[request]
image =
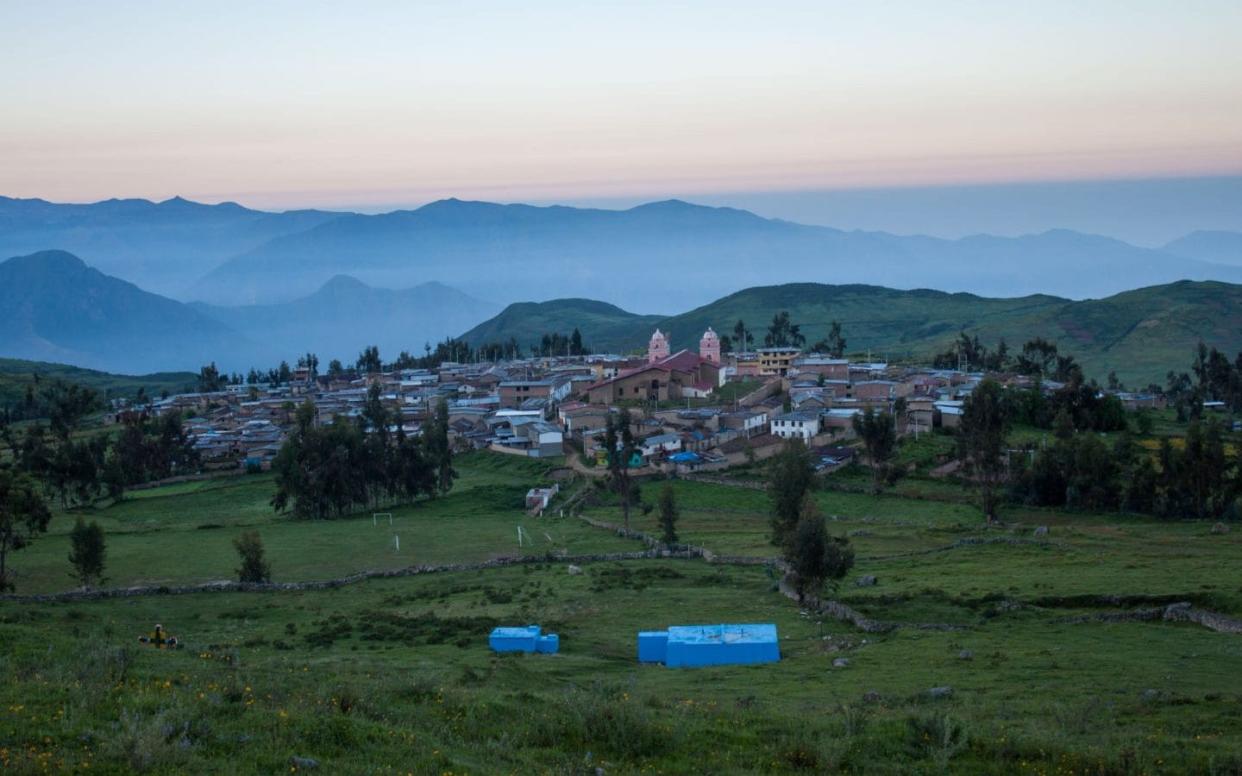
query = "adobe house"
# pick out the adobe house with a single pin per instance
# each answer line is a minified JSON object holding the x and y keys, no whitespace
{"x":514,"y":392}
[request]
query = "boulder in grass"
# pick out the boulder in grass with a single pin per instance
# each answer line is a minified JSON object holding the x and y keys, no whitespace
{"x":303,"y":763}
{"x":966,"y":654}
{"x":841,"y":662}
{"x":1041,"y":530}
{"x":867,"y":581}
{"x":574,"y":570}
{"x":938,"y":693}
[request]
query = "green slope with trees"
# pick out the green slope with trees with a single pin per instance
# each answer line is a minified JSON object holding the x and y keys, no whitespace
{"x":603,"y":326}
{"x":1140,"y":334}
{"x":16,"y":375}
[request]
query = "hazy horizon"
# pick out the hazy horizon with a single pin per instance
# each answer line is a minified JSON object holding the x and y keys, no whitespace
{"x":1144,"y":212}
{"x":287,"y":105}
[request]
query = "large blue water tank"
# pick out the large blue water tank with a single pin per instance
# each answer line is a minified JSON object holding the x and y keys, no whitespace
{"x":727,"y":644}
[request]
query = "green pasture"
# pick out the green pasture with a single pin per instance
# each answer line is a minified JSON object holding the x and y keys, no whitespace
{"x":182,"y":533}
{"x":394,"y":675}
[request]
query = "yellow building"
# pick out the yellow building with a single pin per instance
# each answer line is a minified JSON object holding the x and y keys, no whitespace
{"x":777,"y":361}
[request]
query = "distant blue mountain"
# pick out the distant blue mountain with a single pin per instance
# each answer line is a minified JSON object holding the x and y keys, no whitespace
{"x":1218,"y":247}
{"x":658,"y":256}
{"x":55,"y":308}
{"x":162,"y":246}
{"x":672,"y":255}
{"x":345,"y":315}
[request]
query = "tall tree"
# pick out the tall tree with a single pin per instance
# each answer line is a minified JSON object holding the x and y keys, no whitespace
{"x":742,"y":338}
{"x":619,"y":442}
{"x":209,"y":379}
{"x":23,"y":516}
{"x":369,"y":360}
{"x":834,"y":344}
{"x":668,"y":514}
{"x":791,"y":476}
{"x":815,"y":556}
{"x":439,"y":451}
{"x":981,"y":442}
{"x":783,"y":332}
{"x":87,"y":552}
{"x":879,"y":436}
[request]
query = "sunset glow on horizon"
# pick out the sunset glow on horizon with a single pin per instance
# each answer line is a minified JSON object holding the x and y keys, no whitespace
{"x":285,"y":105}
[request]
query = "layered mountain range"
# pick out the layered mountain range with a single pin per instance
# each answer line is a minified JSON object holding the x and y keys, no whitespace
{"x":138,"y":286}
{"x":53,"y":307}
{"x":659,"y":256}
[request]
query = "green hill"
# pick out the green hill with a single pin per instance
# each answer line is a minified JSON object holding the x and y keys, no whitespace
{"x":16,"y":374}
{"x":604,"y":327}
{"x":1140,"y":334}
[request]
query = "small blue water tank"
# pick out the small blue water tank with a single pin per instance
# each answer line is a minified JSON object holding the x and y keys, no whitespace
{"x":527,"y":639}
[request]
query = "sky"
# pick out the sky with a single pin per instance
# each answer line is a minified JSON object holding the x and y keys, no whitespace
{"x":371,"y":104}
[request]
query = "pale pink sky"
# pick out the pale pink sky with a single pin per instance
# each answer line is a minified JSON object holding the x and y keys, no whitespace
{"x":287,"y":104}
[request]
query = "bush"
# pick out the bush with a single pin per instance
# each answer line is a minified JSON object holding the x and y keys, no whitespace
{"x":936,"y":736}
{"x":254,"y":567}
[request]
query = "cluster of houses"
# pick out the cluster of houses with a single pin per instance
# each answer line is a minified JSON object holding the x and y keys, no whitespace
{"x":542,"y":407}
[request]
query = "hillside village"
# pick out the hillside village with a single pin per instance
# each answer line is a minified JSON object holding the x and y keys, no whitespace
{"x":695,"y":410}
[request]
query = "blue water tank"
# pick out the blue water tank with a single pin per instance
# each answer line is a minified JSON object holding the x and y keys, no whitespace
{"x":514,"y":639}
{"x":652,"y":646}
{"x":713,"y":645}
{"x":526,"y":639}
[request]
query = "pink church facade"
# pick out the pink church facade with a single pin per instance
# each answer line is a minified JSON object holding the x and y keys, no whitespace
{"x":709,"y":346}
{"x":658,"y":347}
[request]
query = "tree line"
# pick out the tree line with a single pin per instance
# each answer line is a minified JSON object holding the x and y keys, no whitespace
{"x":332,"y":471}
{"x":50,"y":460}
{"x":79,"y":469}
{"x":1196,"y":479}
{"x":782,"y":332}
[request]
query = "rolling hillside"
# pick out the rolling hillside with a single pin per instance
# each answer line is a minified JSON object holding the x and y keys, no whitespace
{"x":1140,"y":334}
{"x":603,"y":326}
{"x":16,"y":375}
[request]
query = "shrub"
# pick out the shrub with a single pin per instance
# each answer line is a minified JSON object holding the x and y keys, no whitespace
{"x":936,"y":736}
{"x":254,"y":566}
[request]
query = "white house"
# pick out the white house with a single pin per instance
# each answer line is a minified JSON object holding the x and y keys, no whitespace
{"x":804,"y":424}
{"x":654,"y":445}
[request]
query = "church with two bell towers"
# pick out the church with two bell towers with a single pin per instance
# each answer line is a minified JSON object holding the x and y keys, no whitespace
{"x":659,"y":348}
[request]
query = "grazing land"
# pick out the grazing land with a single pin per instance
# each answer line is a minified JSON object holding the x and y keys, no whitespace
{"x":394,"y":675}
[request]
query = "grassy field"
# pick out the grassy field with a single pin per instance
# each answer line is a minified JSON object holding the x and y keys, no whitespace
{"x":183,"y":533}
{"x":394,"y":676}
